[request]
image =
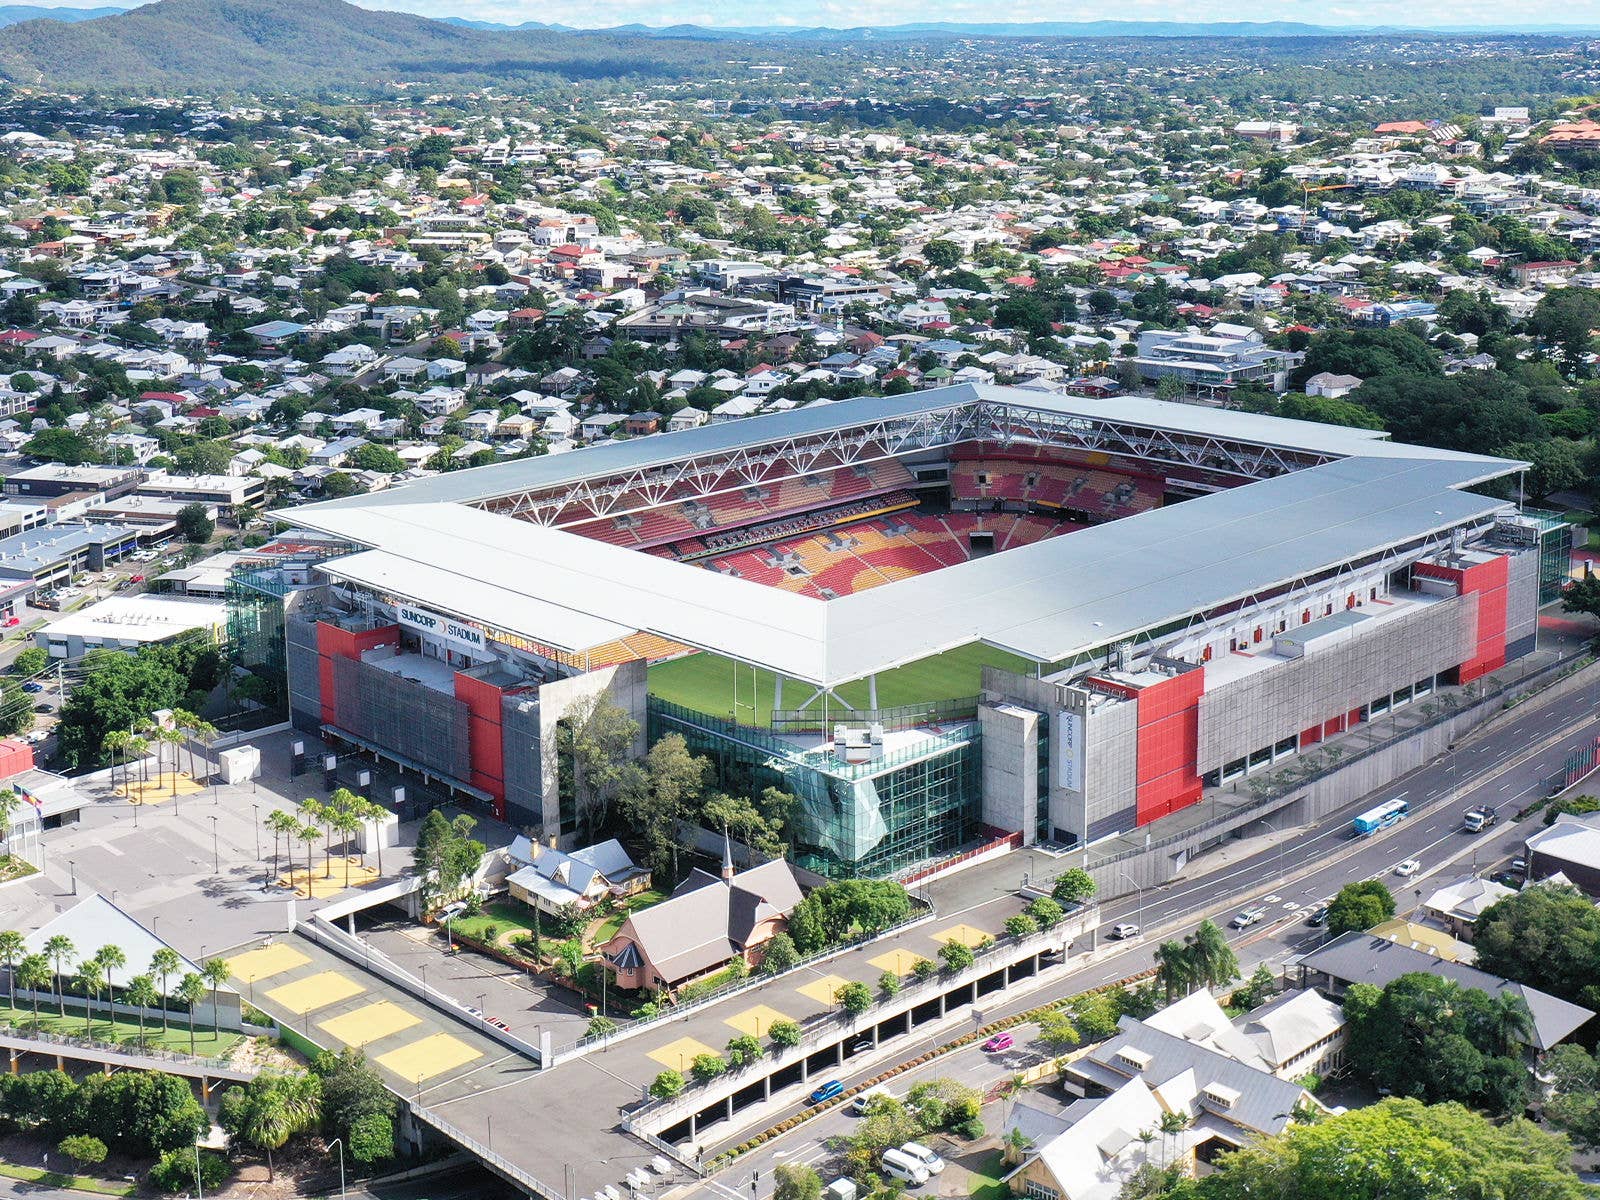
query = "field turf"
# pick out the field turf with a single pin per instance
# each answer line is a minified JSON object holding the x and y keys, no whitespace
{"x":719,"y":687}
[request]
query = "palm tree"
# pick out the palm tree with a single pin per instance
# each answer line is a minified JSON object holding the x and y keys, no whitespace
{"x":89,"y":982}
{"x":1212,"y":959}
{"x":309,"y":835}
{"x":1172,"y":1124}
{"x":169,"y":736}
{"x":348,"y":824}
{"x":183,"y":723}
{"x":33,"y":973}
{"x":191,"y":990}
{"x":311,"y":815}
{"x":281,"y":823}
{"x":143,"y":737}
{"x":1174,"y":969}
{"x":11,"y":947}
{"x":141,"y":993}
{"x":1511,"y":1022}
{"x":61,"y":950}
{"x":163,"y":963}
{"x":137,"y":750}
{"x":216,"y":973}
{"x":281,"y":1107}
{"x":374,"y":814}
{"x":206,"y":732}
{"x":109,"y":959}
{"x":9,"y":803}
{"x":115,"y":744}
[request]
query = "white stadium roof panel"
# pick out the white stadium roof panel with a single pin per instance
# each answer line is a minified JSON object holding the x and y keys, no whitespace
{"x":1046,"y":601}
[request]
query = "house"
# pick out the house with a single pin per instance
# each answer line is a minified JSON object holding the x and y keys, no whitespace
{"x":688,"y":417}
{"x":552,"y":880}
{"x":707,"y":922}
{"x":1529,"y":273}
{"x":1458,"y":905}
{"x":1330,"y":386}
{"x":1570,"y":846}
{"x":1292,"y":1035}
{"x":640,"y":424}
{"x":1357,"y":957}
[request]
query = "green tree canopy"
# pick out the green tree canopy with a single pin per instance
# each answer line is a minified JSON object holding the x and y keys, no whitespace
{"x":1360,"y":906}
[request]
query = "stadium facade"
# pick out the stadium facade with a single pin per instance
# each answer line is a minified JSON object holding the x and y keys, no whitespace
{"x":929,"y":618}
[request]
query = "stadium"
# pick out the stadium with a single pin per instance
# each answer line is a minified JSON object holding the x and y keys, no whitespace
{"x":933,"y":619}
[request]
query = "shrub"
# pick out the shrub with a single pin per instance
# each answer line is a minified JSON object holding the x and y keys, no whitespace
{"x":854,"y":997}
{"x":667,"y":1085}
{"x":1021,"y":925}
{"x":1073,"y":887}
{"x":784,"y":1033}
{"x":923,"y":968}
{"x":780,"y":955}
{"x":743,"y":1050}
{"x":1046,"y":913}
{"x":176,"y":1171}
{"x":372,"y":1138}
{"x":956,"y":956}
{"x":888,"y":984}
{"x":83,"y":1150}
{"x":708,"y":1066}
{"x":600,"y":1026}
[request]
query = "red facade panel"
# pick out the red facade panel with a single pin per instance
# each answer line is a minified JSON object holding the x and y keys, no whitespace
{"x":334,"y":642}
{"x":1168,"y":745}
{"x":1488,"y":581}
{"x":485,"y":738}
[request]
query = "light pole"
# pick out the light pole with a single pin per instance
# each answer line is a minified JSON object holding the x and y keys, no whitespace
{"x":216,"y":858}
{"x":1140,"y":890}
{"x":339,"y":1142}
{"x":199,"y":1191}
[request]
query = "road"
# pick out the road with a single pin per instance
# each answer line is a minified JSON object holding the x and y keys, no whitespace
{"x":1504,"y":767}
{"x":467,"y":1183}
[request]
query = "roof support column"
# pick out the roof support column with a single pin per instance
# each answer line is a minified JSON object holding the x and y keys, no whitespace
{"x":872,"y":691}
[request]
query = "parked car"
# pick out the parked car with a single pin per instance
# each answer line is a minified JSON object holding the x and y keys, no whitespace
{"x":901,"y":1166}
{"x":33,"y":687}
{"x":1248,"y":917}
{"x":135,"y":578}
{"x":1124,"y":929}
{"x":999,"y":1042}
{"x":1510,"y":879}
{"x":826,"y":1092}
{"x":37,"y":735}
{"x":931,"y":1161}
{"x":1319,"y":916}
{"x":1408,"y":868}
{"x":11,"y":621}
{"x":1519,"y":865}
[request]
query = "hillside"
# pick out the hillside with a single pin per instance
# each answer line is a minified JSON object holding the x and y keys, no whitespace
{"x":12,"y":14}
{"x":296,"y":44}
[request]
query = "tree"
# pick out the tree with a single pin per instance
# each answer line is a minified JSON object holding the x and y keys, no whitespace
{"x":846,"y":908}
{"x":1020,"y":925}
{"x":373,"y":457}
{"x":743,"y":1050}
{"x":667,"y":1085}
{"x":593,"y":740}
{"x":1073,"y":887}
{"x":1057,"y":1031}
{"x":1174,"y":969}
{"x":33,"y":975}
{"x":956,"y":956}
{"x":117,"y":691}
{"x":191,"y":990}
{"x":1212,"y":960}
{"x":743,"y":821}
{"x":83,"y":1150}
{"x":164,"y":963}
{"x":30,"y":662}
{"x":1583,"y":596}
{"x":353,"y":1093}
{"x":656,"y":801}
{"x":11,"y":947}
{"x":784,"y":1033}
{"x":1360,"y":906}
{"x":941,"y":254}
{"x":854,"y":997}
{"x":175,"y":1171}
{"x":1547,"y":937}
{"x":60,"y":950}
{"x":282,"y":825}
{"x":1257,"y":991}
{"x":195,"y":523}
{"x":106,"y":960}
{"x":141,"y":994}
{"x":778,"y":955}
{"x":1565,"y":320}
{"x":1554,"y":465}
{"x":796,"y":1181}
{"x":1466,"y":412}
{"x":1367,"y":354}
{"x":271,"y":1109}
{"x":1399,"y":1149}
{"x":1574,"y":1102}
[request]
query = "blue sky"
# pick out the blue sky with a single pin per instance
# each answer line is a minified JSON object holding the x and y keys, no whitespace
{"x":839,"y":13}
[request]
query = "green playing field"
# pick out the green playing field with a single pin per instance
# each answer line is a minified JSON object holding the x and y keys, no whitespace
{"x":720,"y":687}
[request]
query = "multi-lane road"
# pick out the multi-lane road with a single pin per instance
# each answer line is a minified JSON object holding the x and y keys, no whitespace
{"x":1505,"y":767}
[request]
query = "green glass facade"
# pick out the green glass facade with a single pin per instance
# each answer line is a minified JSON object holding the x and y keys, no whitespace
{"x":255,"y":629}
{"x":916,"y":804}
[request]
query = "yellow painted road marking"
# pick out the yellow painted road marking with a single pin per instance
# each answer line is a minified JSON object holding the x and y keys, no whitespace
{"x":372,"y":1023}
{"x":824,"y":990}
{"x":431,"y":1056}
{"x":255,"y":965}
{"x":680,"y":1055}
{"x":315,"y":991}
{"x":755,"y":1021}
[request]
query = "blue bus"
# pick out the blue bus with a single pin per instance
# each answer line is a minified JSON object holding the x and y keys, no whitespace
{"x":1385,"y":815}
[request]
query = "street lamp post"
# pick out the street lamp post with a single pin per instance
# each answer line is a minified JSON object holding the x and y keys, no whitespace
{"x":339,"y":1142}
{"x":216,"y":857}
{"x":1140,"y":891}
{"x":199,"y":1189}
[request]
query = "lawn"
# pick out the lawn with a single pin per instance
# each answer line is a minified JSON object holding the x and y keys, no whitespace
{"x":506,"y":914}
{"x":13,"y":866}
{"x":58,"y":1180}
{"x":984,"y":1182}
{"x":209,"y":1043}
{"x":719,"y":687}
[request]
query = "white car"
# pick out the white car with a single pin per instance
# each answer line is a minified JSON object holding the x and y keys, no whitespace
{"x":1408,"y":868}
{"x":1248,"y":918}
{"x":37,"y":736}
{"x":1125,"y":929}
{"x":923,"y":1155}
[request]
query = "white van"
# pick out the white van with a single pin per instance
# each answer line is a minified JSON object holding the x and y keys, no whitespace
{"x":931,"y":1162}
{"x":897,"y":1164}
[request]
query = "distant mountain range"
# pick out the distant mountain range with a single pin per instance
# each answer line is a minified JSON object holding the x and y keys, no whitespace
{"x":12,"y":14}
{"x":290,"y":45}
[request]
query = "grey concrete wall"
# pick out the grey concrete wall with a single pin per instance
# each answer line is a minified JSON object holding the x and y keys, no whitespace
{"x":1111,"y":770}
{"x":410,"y":718}
{"x":300,"y":662}
{"x":1247,"y":714}
{"x":1010,"y":769}
{"x":1522,"y":601}
{"x":520,"y":747}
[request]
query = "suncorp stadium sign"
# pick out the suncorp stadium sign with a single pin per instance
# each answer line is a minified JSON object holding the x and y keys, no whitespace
{"x":430,"y":622}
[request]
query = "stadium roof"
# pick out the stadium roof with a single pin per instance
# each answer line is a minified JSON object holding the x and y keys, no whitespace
{"x":1047,"y":601}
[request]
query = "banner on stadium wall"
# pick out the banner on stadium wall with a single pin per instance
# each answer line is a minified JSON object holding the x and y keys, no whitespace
{"x":432,"y":623}
{"x":1069,"y":750}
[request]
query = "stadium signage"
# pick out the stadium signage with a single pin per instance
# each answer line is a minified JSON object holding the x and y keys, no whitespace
{"x":430,"y":622}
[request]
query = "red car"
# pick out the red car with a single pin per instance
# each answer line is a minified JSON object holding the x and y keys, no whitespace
{"x":10,"y":621}
{"x":999,"y":1042}
{"x":135,"y":578}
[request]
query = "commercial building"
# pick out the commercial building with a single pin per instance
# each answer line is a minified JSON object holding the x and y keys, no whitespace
{"x":932,"y":619}
{"x":53,"y":555}
{"x":128,"y":622}
{"x":226,"y":492}
{"x":1210,"y":363}
{"x":54,"y":479}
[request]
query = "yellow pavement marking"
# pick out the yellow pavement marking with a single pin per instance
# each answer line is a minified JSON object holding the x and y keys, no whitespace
{"x":680,"y":1055}
{"x":755,"y":1021}
{"x":824,"y":990}
{"x":329,"y":880}
{"x":431,"y":1056}
{"x":901,"y":962}
{"x":372,"y":1023}
{"x":965,"y":934}
{"x":254,"y":965}
{"x":159,"y":789}
{"x":315,"y":991}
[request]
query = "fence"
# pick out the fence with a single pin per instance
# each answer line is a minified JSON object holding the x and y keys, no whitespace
{"x":498,"y":1162}
{"x":1012,"y":841}
{"x":907,"y":716}
{"x":188,"y":1064}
